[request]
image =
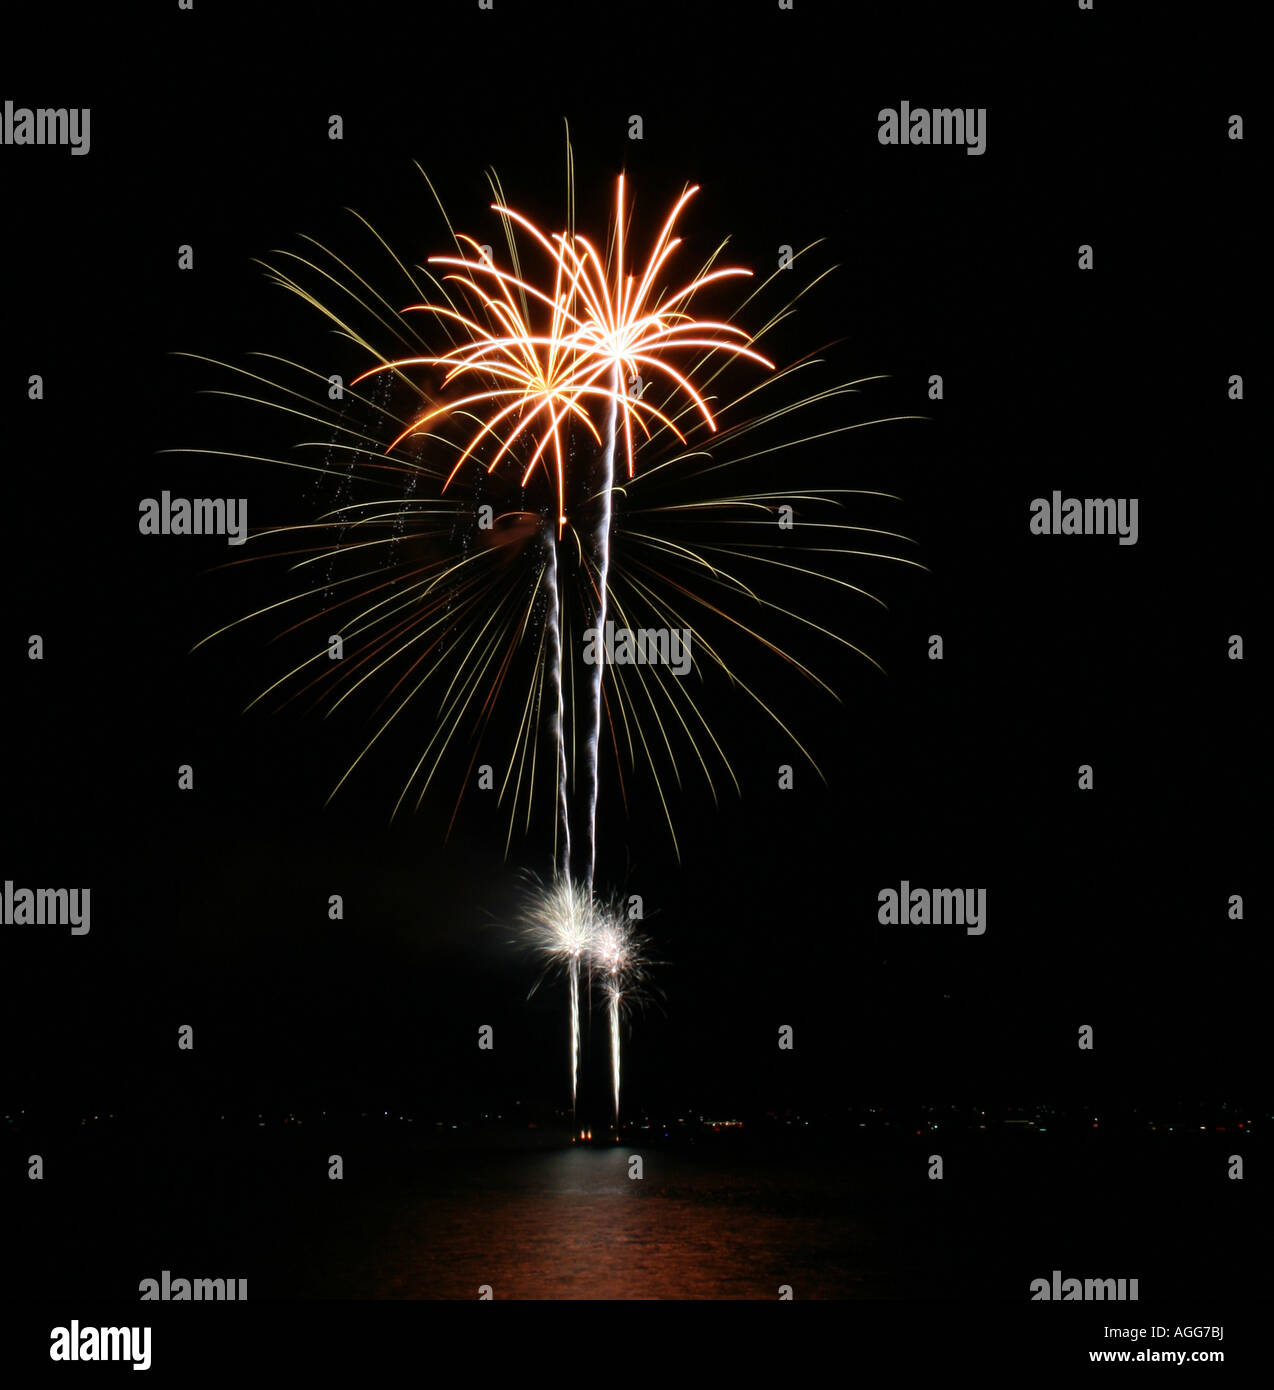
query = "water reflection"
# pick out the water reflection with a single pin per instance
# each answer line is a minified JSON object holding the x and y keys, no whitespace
{"x":573,"y":1224}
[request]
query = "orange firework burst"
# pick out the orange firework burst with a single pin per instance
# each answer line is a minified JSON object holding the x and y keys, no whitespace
{"x":466,"y":593}
{"x":602,"y":326}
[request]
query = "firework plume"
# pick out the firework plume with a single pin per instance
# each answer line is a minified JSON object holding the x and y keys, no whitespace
{"x":618,"y":954}
{"x":474,"y":526}
{"x":559,"y":922}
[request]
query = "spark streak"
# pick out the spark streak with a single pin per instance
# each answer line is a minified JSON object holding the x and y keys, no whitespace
{"x":559,"y":923}
{"x":520,"y":401}
{"x":559,"y":732}
{"x":618,"y":949}
{"x":494,"y":527}
{"x":603,"y":579}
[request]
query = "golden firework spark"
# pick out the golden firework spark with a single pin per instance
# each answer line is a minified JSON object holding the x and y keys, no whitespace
{"x":601,"y":328}
{"x":450,"y":575}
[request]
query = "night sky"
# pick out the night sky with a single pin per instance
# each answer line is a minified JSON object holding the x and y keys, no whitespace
{"x":1105,"y":907}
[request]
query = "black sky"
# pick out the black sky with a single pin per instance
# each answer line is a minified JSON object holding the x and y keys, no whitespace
{"x":1106,"y":908}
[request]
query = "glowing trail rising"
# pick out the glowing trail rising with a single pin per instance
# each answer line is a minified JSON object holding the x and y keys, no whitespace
{"x":525,"y":389}
{"x":532,"y":366}
{"x":559,"y":732}
{"x":618,"y":950}
{"x":559,"y":923}
{"x":612,"y":990}
{"x":574,"y":975}
{"x":603,"y":546}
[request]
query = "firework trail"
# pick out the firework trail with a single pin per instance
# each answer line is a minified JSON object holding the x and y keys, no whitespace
{"x":517,"y":398}
{"x":538,"y":379}
{"x":519,"y":401}
{"x":603,"y":576}
{"x":575,"y":1029}
{"x":613,"y":994}
{"x":559,"y":922}
{"x":548,"y":375}
{"x":618,"y":950}
{"x":559,"y":732}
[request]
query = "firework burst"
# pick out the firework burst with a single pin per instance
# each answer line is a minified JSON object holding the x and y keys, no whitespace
{"x":559,"y":922}
{"x":601,"y":326}
{"x":472,"y":527}
{"x":618,"y":954}
{"x":459,"y":587}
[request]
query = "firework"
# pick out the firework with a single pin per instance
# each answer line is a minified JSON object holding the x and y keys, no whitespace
{"x":559,"y":922}
{"x":567,"y":926}
{"x":464,"y":578}
{"x":618,"y":952}
{"x":599,"y":331}
{"x":559,"y":714}
{"x":629,"y":326}
{"x":602,"y":326}
{"x":487,"y":434}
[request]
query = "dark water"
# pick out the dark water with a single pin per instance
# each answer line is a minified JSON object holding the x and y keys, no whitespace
{"x":574,"y":1224}
{"x":700,"y":1223}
